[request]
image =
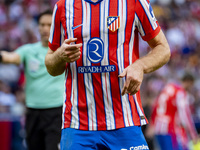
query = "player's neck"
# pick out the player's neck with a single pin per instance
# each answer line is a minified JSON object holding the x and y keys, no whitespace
{"x":44,"y":43}
{"x":94,"y":1}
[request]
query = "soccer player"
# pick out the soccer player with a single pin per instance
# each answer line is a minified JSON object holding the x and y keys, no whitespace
{"x":171,"y":116}
{"x":100,"y":57}
{"x":44,"y":93}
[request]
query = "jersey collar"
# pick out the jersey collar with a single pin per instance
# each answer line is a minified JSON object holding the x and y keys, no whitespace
{"x":90,"y":1}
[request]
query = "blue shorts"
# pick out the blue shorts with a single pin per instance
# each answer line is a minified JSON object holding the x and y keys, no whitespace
{"x":130,"y":138}
{"x":167,"y":142}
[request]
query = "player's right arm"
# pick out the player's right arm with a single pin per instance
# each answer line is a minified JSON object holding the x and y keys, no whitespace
{"x":10,"y":57}
{"x":59,"y":54}
{"x":55,"y":61}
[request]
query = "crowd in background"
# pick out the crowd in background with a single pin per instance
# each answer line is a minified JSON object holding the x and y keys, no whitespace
{"x":179,"y":19}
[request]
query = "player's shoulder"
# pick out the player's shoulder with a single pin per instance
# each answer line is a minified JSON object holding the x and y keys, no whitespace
{"x":60,"y":3}
{"x":25,"y":46}
{"x":173,"y":88}
{"x":30,"y":46}
{"x":170,"y":89}
{"x":178,"y":87}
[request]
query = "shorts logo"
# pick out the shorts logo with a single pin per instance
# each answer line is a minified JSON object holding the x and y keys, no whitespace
{"x":95,"y":50}
{"x":113,"y":23}
{"x":142,"y":147}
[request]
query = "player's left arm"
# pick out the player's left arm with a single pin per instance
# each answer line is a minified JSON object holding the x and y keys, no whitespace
{"x":156,"y":58}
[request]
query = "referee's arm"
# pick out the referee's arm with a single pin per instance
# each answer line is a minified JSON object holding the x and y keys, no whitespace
{"x":9,"y":57}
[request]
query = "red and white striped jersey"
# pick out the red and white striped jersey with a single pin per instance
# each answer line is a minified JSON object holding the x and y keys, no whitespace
{"x":171,"y":113}
{"x":109,"y":31}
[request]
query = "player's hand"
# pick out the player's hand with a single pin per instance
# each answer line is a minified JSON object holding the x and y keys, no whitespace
{"x":70,"y":52}
{"x":134,"y":76}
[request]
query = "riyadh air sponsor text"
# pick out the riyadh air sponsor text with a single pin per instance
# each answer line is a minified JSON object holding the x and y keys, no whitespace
{"x":96,"y":69}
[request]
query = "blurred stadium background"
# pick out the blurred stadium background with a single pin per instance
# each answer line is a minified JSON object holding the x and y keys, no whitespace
{"x":179,"y":19}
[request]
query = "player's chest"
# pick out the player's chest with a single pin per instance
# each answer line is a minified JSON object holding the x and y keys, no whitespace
{"x":82,"y":19}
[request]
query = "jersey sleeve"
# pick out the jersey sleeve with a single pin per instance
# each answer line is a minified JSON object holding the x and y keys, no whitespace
{"x":55,"y":37}
{"x":22,"y":51}
{"x":145,"y":20}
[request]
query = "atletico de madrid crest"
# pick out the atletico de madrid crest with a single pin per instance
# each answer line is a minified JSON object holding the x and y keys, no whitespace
{"x":113,"y":23}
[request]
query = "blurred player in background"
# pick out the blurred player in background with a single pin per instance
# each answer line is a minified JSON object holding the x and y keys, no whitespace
{"x":104,"y":72}
{"x":44,"y":93}
{"x":171,"y":117}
